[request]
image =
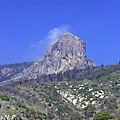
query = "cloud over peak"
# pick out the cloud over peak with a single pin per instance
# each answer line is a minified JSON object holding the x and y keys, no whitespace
{"x":55,"y":33}
{"x":51,"y":38}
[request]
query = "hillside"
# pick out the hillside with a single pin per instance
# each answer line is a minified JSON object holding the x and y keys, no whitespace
{"x":66,"y":100}
{"x":63,"y":85}
{"x":7,"y":71}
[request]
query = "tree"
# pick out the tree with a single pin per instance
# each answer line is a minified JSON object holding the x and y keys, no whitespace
{"x":102,"y":65}
{"x":103,"y":115}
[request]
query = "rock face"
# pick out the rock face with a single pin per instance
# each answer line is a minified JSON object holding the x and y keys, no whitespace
{"x":67,"y":53}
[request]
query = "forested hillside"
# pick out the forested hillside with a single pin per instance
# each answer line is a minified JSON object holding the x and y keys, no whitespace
{"x":88,"y":97}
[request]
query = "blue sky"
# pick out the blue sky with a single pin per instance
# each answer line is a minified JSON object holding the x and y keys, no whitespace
{"x":27,"y":27}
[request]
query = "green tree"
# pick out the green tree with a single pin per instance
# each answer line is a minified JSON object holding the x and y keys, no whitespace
{"x":103,"y":115}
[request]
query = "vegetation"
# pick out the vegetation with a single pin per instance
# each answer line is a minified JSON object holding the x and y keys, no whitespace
{"x":4,"y":97}
{"x":78,"y":98}
{"x":103,"y":115}
{"x":8,"y":71}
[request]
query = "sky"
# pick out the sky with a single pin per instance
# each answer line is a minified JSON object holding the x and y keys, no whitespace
{"x":28,"y":27}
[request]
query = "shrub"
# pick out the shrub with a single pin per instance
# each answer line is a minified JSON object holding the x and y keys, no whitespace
{"x":118,"y":118}
{"x":49,"y":104}
{"x":28,"y":115}
{"x":118,"y":106}
{"x":94,"y":85}
{"x":55,"y":93}
{"x":38,"y":117}
{"x":87,"y":107}
{"x":32,"y":111}
{"x":81,"y":117}
{"x":103,"y":115}
{"x":2,"y":97}
{"x":6,"y":98}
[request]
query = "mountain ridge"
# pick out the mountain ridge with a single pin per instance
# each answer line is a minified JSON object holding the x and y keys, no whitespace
{"x":89,"y":92}
{"x":65,"y":54}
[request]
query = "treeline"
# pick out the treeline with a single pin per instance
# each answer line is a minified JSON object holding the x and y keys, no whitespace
{"x":75,"y":74}
{"x":16,"y":65}
{"x":7,"y":71}
{"x":79,"y":74}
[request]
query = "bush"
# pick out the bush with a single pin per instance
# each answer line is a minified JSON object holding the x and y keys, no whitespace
{"x":118,"y":106}
{"x":49,"y":104}
{"x":103,"y":115}
{"x":118,"y":118}
{"x":6,"y":98}
{"x":28,"y":115}
{"x":3,"y":97}
{"x":87,"y":107}
{"x":32,"y":111}
{"x":38,"y":117}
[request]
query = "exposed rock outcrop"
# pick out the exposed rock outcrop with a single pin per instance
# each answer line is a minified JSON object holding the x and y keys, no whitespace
{"x":7,"y":71}
{"x":66,"y":53}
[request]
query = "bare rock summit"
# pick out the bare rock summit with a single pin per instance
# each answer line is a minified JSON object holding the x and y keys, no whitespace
{"x":66,"y":53}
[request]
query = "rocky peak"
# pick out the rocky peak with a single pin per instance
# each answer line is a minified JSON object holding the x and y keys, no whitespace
{"x":66,"y":53}
{"x":67,"y":45}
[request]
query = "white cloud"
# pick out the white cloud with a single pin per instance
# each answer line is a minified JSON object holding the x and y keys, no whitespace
{"x":51,"y":38}
{"x":55,"y":33}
